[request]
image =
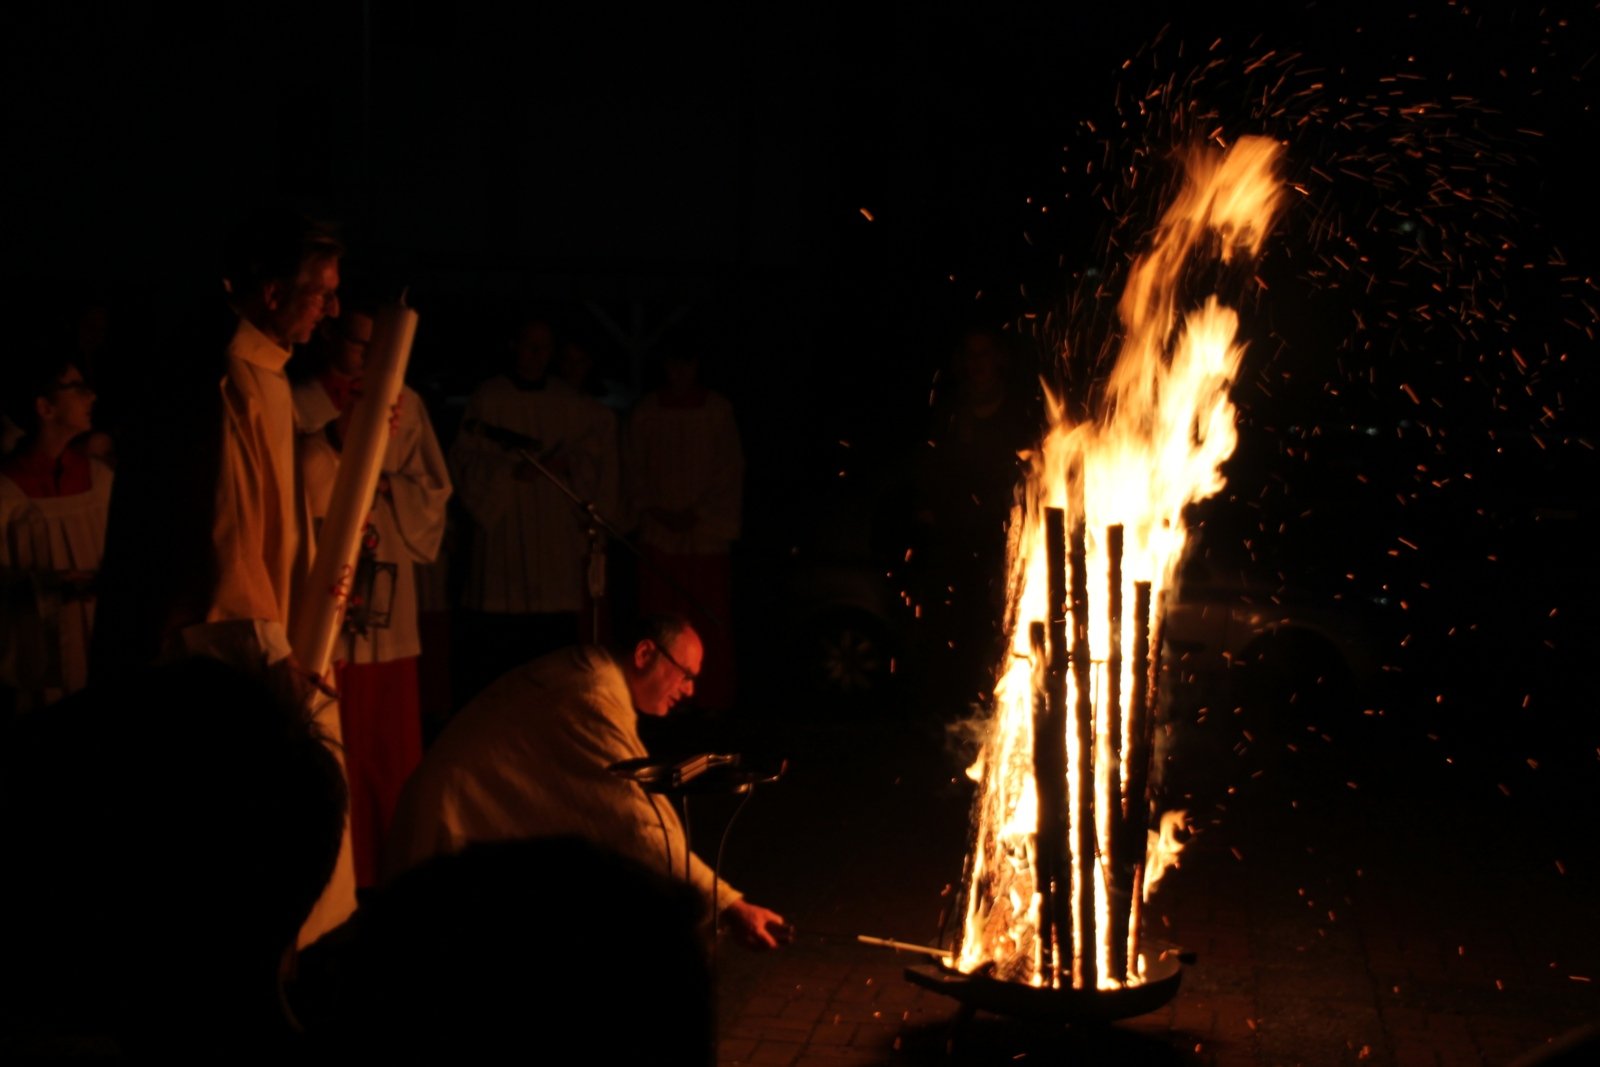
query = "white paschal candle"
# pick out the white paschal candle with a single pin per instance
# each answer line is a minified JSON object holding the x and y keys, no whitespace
{"x":319,"y":611}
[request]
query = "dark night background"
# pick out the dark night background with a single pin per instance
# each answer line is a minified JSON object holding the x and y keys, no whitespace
{"x":1417,"y":404}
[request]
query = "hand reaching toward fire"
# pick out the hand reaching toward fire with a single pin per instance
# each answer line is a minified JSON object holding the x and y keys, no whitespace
{"x":756,"y":927}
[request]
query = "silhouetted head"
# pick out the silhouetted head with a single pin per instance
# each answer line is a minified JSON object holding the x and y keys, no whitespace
{"x":532,"y":347}
{"x":165,"y":839}
{"x":282,"y":271}
{"x":46,"y":391}
{"x":982,"y":360}
{"x":553,"y":950}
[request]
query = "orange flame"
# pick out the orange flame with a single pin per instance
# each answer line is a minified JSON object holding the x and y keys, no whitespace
{"x":1164,"y":428}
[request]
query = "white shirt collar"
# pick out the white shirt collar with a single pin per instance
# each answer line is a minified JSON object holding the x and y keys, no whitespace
{"x":253,"y":346}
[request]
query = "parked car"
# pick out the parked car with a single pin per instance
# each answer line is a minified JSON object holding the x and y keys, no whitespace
{"x":1233,"y":637}
{"x":832,"y":625}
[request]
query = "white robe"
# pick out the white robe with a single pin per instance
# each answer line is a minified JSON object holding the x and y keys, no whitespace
{"x":260,"y":533}
{"x":260,"y":516}
{"x":44,"y":638}
{"x":530,"y":551}
{"x":528,"y":758}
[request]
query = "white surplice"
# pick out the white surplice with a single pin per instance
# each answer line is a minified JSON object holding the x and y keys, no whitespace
{"x":528,"y":758}
{"x":529,"y":549}
{"x":46,"y":635}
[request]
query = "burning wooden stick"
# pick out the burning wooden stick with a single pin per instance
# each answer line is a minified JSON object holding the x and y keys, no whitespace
{"x":1050,"y":766}
{"x":1116,"y":889}
{"x":1136,"y":810}
{"x":1083,"y":831}
{"x":902,"y":946}
{"x":1046,"y":847}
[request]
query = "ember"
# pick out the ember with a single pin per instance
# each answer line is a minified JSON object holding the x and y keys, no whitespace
{"x":1064,"y":855}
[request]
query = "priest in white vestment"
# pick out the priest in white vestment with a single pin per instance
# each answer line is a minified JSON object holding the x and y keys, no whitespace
{"x":530,"y":758}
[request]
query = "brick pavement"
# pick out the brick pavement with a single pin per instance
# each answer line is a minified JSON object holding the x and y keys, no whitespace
{"x":1351,"y":936}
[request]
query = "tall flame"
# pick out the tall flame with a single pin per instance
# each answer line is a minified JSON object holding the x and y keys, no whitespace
{"x":1164,"y":428}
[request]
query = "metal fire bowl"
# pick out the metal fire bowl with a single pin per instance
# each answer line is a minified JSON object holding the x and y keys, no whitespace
{"x":1065,"y":1006}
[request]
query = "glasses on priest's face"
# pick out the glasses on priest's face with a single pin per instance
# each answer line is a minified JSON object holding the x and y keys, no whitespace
{"x":688,"y":675}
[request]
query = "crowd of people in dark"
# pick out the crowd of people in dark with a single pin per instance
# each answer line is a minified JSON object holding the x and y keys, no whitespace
{"x":198,"y":814}
{"x":221,"y":845}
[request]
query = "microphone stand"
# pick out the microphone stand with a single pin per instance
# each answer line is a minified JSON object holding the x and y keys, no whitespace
{"x":598,"y":528}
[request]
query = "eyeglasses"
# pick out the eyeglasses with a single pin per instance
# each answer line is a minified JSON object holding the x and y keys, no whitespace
{"x":76,"y":386}
{"x":688,"y":675}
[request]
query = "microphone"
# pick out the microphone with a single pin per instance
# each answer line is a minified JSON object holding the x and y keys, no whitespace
{"x":508,"y":439}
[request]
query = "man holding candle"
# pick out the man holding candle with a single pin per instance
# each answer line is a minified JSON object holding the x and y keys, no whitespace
{"x":379,"y":701}
{"x":208,"y":532}
{"x":209,"y":539}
